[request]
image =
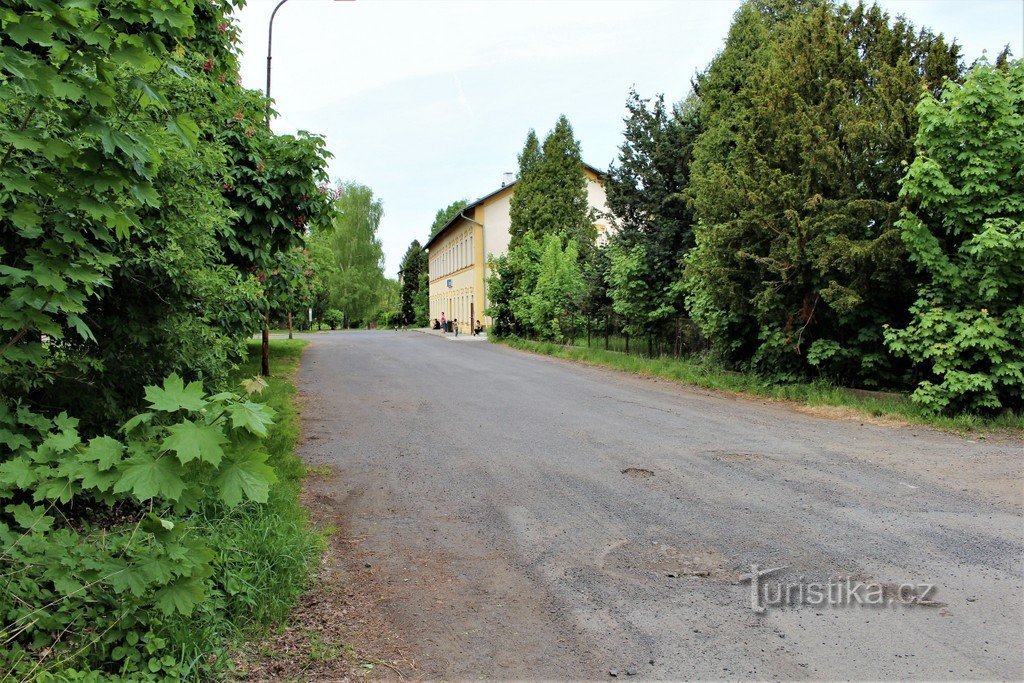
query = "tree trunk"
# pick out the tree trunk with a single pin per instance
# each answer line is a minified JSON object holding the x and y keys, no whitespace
{"x":266,"y":343}
{"x":607,"y":333}
{"x":627,"y":343}
{"x":289,"y":324}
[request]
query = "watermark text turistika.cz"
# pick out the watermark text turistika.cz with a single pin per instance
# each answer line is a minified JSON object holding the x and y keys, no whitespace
{"x":833,"y":592}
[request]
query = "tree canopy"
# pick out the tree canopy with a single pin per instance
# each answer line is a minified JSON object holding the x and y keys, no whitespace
{"x":349,"y":255}
{"x":444,"y":215}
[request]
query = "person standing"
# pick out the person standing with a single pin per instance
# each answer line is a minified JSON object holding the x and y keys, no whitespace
{"x":444,"y":326}
{"x":455,"y":326}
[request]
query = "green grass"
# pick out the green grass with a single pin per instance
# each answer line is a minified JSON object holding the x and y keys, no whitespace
{"x":296,"y":331}
{"x":705,"y":374}
{"x":263,"y":552}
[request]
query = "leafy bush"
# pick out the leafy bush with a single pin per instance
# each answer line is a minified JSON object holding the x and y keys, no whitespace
{"x":142,"y":196}
{"x":965,"y":232}
{"x":334,"y":318}
{"x":389,"y":318}
{"x":127,"y":559}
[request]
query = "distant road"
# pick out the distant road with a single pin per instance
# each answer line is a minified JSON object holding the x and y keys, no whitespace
{"x":526,"y":517}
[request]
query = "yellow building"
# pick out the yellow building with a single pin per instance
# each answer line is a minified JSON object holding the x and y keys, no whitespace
{"x":458,"y":252}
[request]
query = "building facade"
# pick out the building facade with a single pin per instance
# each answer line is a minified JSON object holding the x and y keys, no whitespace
{"x":458,"y":253}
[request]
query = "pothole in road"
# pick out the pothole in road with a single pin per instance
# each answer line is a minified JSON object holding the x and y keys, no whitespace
{"x":653,"y":557}
{"x":638,"y":472}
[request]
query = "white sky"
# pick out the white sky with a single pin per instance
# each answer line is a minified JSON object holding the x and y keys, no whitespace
{"x":430,"y":101}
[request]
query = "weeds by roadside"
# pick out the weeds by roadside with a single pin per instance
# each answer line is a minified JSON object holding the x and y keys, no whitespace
{"x":337,"y":630}
{"x":815,"y":394}
{"x":264,"y":552}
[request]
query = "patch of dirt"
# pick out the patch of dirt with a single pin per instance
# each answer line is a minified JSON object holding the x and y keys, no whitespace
{"x":852,"y":414}
{"x":638,"y":472}
{"x":337,"y":632}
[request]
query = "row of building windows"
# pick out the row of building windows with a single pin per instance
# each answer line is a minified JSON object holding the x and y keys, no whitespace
{"x":456,"y":256}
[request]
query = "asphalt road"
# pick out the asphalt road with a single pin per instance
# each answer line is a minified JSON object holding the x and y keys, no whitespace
{"x":491,"y":493}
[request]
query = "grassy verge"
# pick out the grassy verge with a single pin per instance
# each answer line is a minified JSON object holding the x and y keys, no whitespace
{"x":818,"y":394}
{"x":263,"y":552}
{"x":295,"y":331}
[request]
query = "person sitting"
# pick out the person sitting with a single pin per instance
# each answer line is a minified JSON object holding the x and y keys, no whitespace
{"x":478,"y":328}
{"x":436,"y":325}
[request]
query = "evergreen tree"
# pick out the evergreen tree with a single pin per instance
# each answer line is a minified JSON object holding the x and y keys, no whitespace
{"x":414,"y":264}
{"x":654,"y":223}
{"x":522,"y":209}
{"x":809,"y":115}
{"x":421,"y":301}
{"x":444,"y":215}
{"x":551,"y":194}
{"x":562,"y":183}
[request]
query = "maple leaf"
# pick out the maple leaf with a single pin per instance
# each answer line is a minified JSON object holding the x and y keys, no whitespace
{"x":30,"y":517}
{"x":181,"y":596}
{"x":104,"y":451}
{"x":255,"y":385}
{"x":176,"y":396}
{"x":18,"y":473}
{"x":147,"y":477}
{"x":193,"y":440}
{"x":136,"y":421}
{"x":245,"y":474}
{"x":255,"y":417}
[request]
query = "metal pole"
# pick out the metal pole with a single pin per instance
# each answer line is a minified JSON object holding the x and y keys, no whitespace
{"x":265,"y":364}
{"x":270,"y":45}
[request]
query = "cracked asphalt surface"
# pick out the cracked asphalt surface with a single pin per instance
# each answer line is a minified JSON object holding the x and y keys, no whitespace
{"x":527,"y":517}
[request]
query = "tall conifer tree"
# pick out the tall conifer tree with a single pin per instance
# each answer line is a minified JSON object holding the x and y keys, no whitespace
{"x":522,"y":208}
{"x":810,"y":117}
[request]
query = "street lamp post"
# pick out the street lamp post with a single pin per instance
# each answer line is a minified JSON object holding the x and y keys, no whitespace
{"x":266,"y":314}
{"x":270,"y":45}
{"x":265,"y":359}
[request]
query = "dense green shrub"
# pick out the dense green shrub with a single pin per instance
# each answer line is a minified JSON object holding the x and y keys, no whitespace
{"x":964,"y":230}
{"x":98,"y":545}
{"x":333,"y":318}
{"x":143,"y":203}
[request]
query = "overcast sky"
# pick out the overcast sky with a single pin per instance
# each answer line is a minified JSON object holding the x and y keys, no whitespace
{"x":430,"y":101}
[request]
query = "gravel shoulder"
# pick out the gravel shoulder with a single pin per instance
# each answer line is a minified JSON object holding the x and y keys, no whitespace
{"x":521,"y":516}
